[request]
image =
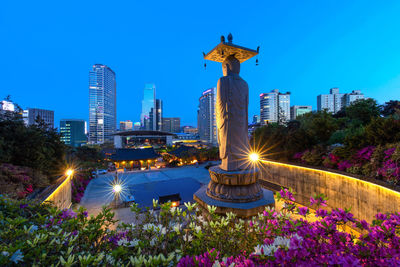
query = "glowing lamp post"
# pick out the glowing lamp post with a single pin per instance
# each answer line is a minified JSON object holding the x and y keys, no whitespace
{"x":117,"y":188}
{"x":254,"y":157}
{"x":69,"y":172}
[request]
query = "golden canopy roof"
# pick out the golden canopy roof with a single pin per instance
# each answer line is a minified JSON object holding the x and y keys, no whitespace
{"x":225,"y":49}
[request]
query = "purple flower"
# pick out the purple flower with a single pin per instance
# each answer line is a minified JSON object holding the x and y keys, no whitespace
{"x":302,"y":211}
{"x":285,"y":193}
{"x":389,"y":152}
{"x":67,"y":214}
{"x":85,"y":213}
{"x":23,"y":206}
{"x":321,"y":213}
{"x":186,"y":261}
{"x":344,"y":165}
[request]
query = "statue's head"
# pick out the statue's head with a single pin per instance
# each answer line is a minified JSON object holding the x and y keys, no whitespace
{"x":230,"y":65}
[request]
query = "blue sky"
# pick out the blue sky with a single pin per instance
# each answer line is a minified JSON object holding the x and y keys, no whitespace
{"x":48,"y":47}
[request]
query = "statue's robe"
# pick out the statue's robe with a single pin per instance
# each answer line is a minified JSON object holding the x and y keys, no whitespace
{"x":232,"y":121}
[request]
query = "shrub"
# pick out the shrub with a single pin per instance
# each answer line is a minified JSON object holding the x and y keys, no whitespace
{"x":79,"y":184}
{"x":313,"y":157}
{"x":39,"y":234}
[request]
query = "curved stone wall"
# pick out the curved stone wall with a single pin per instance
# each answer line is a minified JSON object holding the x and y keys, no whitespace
{"x":61,"y":195}
{"x":364,"y":198}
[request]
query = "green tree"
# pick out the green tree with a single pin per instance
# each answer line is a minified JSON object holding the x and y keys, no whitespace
{"x":319,"y":125}
{"x":391,"y":108}
{"x":362,"y":111}
{"x":382,"y":131}
{"x":35,"y":146}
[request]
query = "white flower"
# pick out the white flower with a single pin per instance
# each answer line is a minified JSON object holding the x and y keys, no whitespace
{"x":148,"y":226}
{"x":17,"y":256}
{"x":5,"y":253}
{"x":153,"y":241}
{"x":187,"y":238}
{"x":177,"y":228}
{"x":161,"y":229}
{"x":122,"y":242}
{"x":264,"y":250}
{"x":173,"y":210}
{"x":282,"y":241}
{"x":133,"y":243}
{"x":197,"y":229}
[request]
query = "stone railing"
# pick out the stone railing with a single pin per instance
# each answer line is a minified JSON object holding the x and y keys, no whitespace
{"x":363,"y":197}
{"x":60,"y":194}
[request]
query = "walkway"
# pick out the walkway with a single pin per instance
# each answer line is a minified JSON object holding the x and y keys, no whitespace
{"x":99,"y":190}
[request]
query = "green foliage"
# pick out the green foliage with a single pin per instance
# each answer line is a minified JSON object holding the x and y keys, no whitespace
{"x":391,"y":108}
{"x":362,"y":111}
{"x":314,"y":156}
{"x":382,"y":131}
{"x":319,"y":125}
{"x":35,"y":146}
{"x":354,"y":127}
{"x":87,"y":156}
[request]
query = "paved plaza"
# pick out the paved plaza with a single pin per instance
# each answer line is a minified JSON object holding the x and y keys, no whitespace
{"x":99,"y":191}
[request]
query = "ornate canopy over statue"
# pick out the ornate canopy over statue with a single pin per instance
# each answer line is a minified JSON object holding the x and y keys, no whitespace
{"x":232,"y":104}
{"x":225,"y":49}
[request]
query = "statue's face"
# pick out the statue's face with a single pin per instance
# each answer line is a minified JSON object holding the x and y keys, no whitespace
{"x":230,"y":65}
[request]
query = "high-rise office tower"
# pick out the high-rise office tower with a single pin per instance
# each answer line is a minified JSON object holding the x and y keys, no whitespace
{"x":335,"y":101}
{"x":125,"y":125}
{"x":102,"y":104}
{"x":31,"y":115}
{"x":296,"y":111}
{"x":156,"y":116}
{"x":73,"y":132}
{"x":274,"y":107}
{"x":206,"y":120}
{"x":148,"y":107}
{"x":171,"y":125}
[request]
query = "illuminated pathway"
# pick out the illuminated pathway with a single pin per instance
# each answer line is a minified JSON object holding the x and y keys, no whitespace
{"x":98,"y":192}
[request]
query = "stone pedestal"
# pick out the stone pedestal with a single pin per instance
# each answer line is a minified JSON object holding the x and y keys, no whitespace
{"x":235,"y":191}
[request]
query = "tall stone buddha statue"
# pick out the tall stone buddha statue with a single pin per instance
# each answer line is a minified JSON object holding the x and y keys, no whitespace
{"x":232,"y":116}
{"x":234,"y":185}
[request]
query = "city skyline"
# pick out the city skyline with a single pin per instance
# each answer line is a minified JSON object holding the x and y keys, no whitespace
{"x":351,"y":47}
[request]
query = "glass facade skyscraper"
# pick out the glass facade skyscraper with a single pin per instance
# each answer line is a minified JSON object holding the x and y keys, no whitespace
{"x":148,"y":106}
{"x":73,"y":132}
{"x":206,"y":119}
{"x":102,"y":104}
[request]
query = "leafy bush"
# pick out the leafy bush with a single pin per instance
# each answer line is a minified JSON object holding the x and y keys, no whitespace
{"x":313,"y":157}
{"x":39,"y":234}
{"x":78,"y":185}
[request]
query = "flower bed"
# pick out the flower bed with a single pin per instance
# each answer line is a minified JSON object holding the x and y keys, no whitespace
{"x":378,"y":162}
{"x":16,"y":181}
{"x":33,"y":233}
{"x":78,"y":185}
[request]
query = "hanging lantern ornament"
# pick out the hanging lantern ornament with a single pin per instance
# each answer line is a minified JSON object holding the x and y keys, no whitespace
{"x":258,"y":51}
